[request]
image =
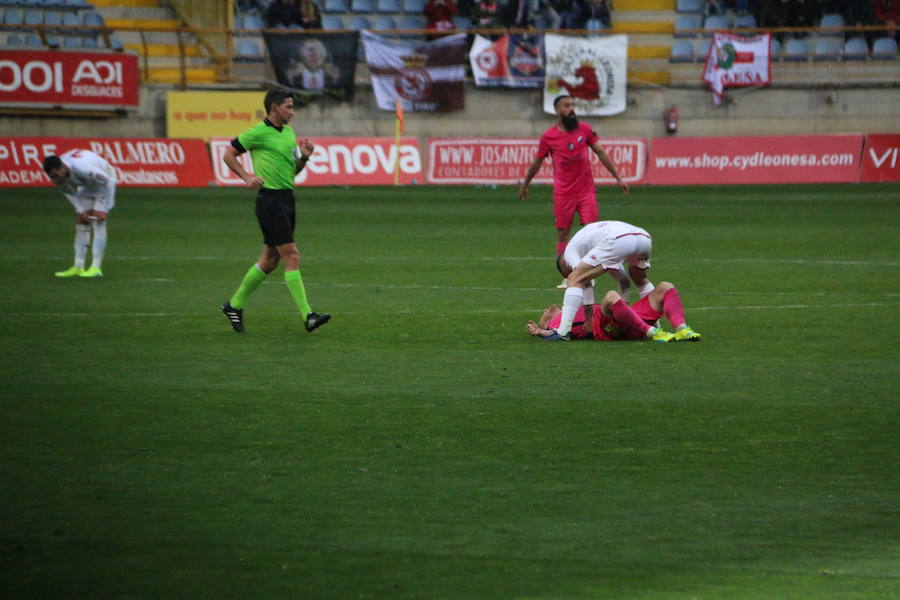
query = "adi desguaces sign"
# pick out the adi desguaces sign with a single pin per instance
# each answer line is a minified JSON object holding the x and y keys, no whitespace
{"x":68,"y":79}
{"x":137,"y":162}
{"x":339,"y":161}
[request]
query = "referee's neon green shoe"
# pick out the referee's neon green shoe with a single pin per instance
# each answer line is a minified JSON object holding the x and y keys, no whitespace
{"x":686,"y":334}
{"x":70,"y":272}
{"x":92,"y":272}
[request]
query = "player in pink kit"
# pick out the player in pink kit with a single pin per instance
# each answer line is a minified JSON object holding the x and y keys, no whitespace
{"x":613,"y":320}
{"x":568,"y":144}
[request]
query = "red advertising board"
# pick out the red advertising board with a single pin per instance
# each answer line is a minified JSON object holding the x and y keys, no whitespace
{"x":71,"y":79}
{"x":339,"y":161}
{"x":505,"y":160}
{"x":742,"y":160}
{"x":879,"y":159}
{"x":138,"y":162}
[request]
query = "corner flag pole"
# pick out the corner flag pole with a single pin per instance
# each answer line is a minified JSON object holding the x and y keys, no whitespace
{"x":398,"y":131}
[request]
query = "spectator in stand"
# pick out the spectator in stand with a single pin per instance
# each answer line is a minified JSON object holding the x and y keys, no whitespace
{"x":803,"y":13}
{"x":574,"y":14}
{"x":486,"y":14}
{"x":282,"y":13}
{"x":713,"y":8}
{"x":548,"y":12}
{"x":789,"y":13}
{"x":440,"y":14}
{"x":310,"y":16}
{"x":517,"y":14}
{"x":887,"y":12}
{"x":600,"y":10}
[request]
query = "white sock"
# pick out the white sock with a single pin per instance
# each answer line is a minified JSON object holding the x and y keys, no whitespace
{"x":99,"y":245}
{"x":82,"y":239}
{"x":621,"y":276}
{"x":571,"y":304}
{"x":645,"y":289}
{"x":588,"y":297}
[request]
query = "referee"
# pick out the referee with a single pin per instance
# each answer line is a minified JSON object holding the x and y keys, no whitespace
{"x":277,"y":159}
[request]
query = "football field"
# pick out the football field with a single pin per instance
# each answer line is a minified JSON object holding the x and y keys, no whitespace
{"x":421,"y":444}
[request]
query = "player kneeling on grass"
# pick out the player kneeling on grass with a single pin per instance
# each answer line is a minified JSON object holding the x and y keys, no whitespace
{"x":89,"y":183}
{"x":613,"y":320}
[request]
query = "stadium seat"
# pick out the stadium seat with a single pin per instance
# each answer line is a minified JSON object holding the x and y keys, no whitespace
{"x":116,"y":44}
{"x":826,"y":48}
{"x":362,"y":6}
{"x":689,"y":6}
{"x":53,"y":41}
{"x":703,"y":49}
{"x":33,"y":39}
{"x":53,"y":20}
{"x":72,"y":41}
{"x":413,"y":7}
{"x":69,"y":23}
{"x":744,"y":22}
{"x":383,"y":22}
{"x":33,"y":17}
{"x":76,"y":5}
{"x":251,"y":22}
{"x":831,"y":20}
{"x":682,"y":51}
{"x":12,"y":16}
{"x":796,"y":50}
{"x":94,"y":20}
{"x":9,"y":2}
{"x":358,"y":22}
{"x":50,"y":4}
{"x":89,"y":42}
{"x":412,"y":22}
{"x":714,"y":23}
{"x":335,"y":6}
{"x":855,"y":48}
{"x":684,"y":24}
{"x":248,"y":50}
{"x":775,"y":49}
{"x":332,"y":22}
{"x":466,"y":22}
{"x":884,"y":49}
{"x":387,"y":6}
{"x":13,"y":40}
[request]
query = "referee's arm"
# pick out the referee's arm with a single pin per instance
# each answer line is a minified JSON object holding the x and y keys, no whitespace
{"x":230,"y":159}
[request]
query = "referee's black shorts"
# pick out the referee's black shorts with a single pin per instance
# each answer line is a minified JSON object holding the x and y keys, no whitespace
{"x":276,"y":215}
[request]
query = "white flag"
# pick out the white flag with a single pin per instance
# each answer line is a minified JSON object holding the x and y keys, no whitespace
{"x":737,"y":61}
{"x":591,"y":70}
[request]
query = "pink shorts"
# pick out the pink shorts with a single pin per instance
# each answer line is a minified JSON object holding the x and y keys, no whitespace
{"x":564,"y":210}
{"x":610,"y":330}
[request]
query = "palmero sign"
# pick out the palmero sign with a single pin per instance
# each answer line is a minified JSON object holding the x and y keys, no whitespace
{"x":763,"y":159}
{"x":504,"y":161}
{"x":138,"y":162}
{"x":70,"y":79}
{"x":880,"y":160}
{"x":339,"y":161}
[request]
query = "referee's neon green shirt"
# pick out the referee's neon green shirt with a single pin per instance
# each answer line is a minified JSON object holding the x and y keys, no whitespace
{"x":272,"y":153}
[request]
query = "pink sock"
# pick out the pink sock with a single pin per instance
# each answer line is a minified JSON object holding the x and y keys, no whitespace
{"x":673,"y":308}
{"x":561,"y":247}
{"x":624,"y":315}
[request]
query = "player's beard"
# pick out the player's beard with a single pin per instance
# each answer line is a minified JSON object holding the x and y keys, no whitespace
{"x":569,"y":121}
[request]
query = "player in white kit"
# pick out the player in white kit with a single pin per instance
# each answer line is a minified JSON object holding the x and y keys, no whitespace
{"x":596,"y":248}
{"x":89,"y":183}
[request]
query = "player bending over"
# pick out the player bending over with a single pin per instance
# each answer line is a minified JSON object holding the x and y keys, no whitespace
{"x":613,"y":320}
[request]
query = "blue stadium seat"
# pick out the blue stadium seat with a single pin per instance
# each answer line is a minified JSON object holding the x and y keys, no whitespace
{"x":251,"y":22}
{"x":362,"y":6}
{"x":413,"y":7}
{"x":94,"y":20}
{"x":72,"y":42}
{"x":856,"y":48}
{"x":248,"y":50}
{"x":33,"y":17}
{"x":884,"y":49}
{"x":387,"y":6}
{"x":684,"y":23}
{"x":358,"y":22}
{"x":49,"y":4}
{"x":826,"y":48}
{"x":77,"y":5}
{"x":332,"y":22}
{"x":466,"y":22}
{"x":796,"y":50}
{"x":9,"y":3}
{"x":412,"y":22}
{"x":745,"y":22}
{"x":831,"y":20}
{"x":775,"y":49}
{"x":382,"y":22}
{"x":336,"y":6}
{"x":69,"y":23}
{"x":682,"y":51}
{"x":715,"y":23}
{"x":13,"y":40}
{"x":53,"y":20}
{"x":703,"y":49}
{"x":116,"y":44}
{"x":89,"y":42}
{"x":12,"y":16}
{"x":689,"y":6}
{"x":33,"y":39}
{"x":53,"y":41}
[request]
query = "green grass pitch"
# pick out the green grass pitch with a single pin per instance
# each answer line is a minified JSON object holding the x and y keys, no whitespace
{"x":421,"y":445}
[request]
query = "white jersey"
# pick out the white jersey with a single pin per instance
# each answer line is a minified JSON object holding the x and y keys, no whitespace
{"x":609,"y":243}
{"x":91,"y":183}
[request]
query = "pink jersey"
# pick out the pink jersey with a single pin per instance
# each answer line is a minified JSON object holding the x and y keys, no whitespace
{"x":579,"y":325}
{"x":570,"y":152}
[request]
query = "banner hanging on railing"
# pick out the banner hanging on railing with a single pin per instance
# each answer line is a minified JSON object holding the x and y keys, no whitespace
{"x":315,"y":65}
{"x":737,"y":61}
{"x":515,"y":61}
{"x":68,"y":79}
{"x":591,"y":70}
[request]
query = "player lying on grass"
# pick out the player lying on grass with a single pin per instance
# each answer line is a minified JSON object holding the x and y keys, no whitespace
{"x":613,"y":320}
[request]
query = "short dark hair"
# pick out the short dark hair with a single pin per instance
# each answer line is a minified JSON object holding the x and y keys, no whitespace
{"x":52,"y":163}
{"x":558,"y":98}
{"x":274,"y":97}
{"x":559,"y":260}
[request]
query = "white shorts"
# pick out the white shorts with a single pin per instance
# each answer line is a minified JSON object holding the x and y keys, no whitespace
{"x":632,"y":249}
{"x":100,"y":203}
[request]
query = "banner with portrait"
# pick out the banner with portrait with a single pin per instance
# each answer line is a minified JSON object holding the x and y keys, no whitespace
{"x":314,"y":65}
{"x":515,"y":61}
{"x":593,"y":71}
{"x":424,"y":76}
